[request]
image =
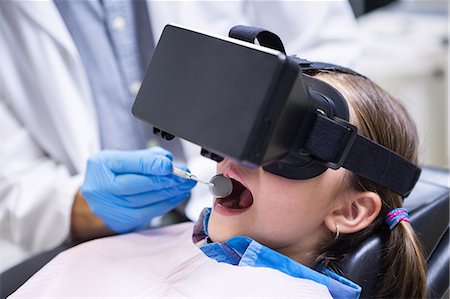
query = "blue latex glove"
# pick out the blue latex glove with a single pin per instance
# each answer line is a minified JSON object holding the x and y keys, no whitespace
{"x":129,"y":188}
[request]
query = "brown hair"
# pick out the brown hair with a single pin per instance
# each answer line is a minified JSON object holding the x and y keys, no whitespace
{"x":381,"y":118}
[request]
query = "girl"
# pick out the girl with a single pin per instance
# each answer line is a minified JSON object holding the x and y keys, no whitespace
{"x":316,"y":222}
{"x":292,"y":233}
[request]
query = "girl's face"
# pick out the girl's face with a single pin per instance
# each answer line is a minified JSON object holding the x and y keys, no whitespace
{"x":283,"y":214}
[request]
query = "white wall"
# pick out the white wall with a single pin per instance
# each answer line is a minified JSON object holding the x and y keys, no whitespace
{"x":405,"y":50}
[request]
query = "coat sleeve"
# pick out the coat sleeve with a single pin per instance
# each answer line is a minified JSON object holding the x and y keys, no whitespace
{"x":315,"y":30}
{"x":36,"y":193}
{"x":40,"y":159}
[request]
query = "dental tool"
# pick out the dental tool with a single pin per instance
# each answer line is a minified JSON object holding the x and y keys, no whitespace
{"x":219,"y":185}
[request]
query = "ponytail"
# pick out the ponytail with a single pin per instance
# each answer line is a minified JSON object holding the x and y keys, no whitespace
{"x":403,"y":265}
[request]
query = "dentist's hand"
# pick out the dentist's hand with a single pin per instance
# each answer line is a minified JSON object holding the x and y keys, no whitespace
{"x":126,"y":189}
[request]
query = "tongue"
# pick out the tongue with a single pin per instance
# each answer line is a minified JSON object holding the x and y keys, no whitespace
{"x":245,"y":199}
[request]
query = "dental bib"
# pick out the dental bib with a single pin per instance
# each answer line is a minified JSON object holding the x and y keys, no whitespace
{"x":158,"y":263}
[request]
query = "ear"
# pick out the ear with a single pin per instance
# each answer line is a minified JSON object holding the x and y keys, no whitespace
{"x":354,"y":212}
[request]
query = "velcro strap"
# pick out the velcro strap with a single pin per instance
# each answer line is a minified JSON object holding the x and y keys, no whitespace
{"x":264,"y":37}
{"x":381,"y":165}
{"x":329,"y":140}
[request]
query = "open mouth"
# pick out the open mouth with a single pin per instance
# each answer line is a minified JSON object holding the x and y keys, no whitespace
{"x":240,"y":197}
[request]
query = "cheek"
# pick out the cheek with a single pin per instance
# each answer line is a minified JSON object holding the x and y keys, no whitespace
{"x":290,"y":197}
{"x":287,"y":211}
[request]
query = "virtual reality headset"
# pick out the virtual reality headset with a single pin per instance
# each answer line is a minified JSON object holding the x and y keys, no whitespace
{"x":259,"y":107}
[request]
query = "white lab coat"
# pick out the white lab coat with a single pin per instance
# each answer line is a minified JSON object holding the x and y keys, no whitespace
{"x":48,"y":119}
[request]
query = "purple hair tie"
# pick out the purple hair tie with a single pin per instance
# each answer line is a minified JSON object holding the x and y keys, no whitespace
{"x":395,"y":216}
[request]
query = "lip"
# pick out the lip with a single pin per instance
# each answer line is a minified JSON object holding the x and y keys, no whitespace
{"x":230,"y":171}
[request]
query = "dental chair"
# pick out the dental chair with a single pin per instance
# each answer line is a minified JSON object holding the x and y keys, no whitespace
{"x":428,"y":205}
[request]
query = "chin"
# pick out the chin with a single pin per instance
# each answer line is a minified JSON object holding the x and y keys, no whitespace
{"x":220,"y":231}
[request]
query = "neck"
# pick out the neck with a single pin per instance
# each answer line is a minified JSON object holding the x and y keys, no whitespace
{"x":306,"y":258}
